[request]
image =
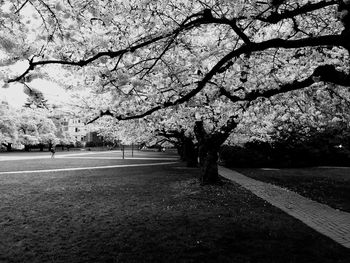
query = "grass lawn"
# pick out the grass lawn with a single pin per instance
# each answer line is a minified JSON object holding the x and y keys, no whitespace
{"x":329,"y":186}
{"x":43,"y":164}
{"x":146,"y":214}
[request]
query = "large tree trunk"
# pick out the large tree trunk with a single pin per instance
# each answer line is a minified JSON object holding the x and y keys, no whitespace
{"x":208,"y":149}
{"x":180,"y":152}
{"x":208,"y":157}
{"x":189,"y":152}
{"x":41,"y":147}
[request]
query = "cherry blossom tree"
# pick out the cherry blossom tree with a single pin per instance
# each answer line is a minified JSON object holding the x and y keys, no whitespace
{"x":46,"y":132}
{"x":150,"y":55}
{"x":36,"y":128}
{"x":28,"y":134}
{"x":8,"y":126}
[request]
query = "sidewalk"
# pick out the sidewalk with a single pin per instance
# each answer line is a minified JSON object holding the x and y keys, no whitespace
{"x":330,"y":222}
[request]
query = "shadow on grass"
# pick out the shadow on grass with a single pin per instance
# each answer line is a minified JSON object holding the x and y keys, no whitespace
{"x":148,"y":214}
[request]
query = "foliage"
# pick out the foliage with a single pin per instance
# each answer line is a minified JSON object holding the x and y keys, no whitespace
{"x":323,"y":147}
{"x":8,"y":129}
{"x":65,"y":138}
{"x":30,"y":126}
{"x":149,"y":55}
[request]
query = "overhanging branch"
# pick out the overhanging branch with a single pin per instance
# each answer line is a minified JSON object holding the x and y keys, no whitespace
{"x":326,"y":73}
{"x":333,"y":40}
{"x":186,"y":25}
{"x":309,"y":7}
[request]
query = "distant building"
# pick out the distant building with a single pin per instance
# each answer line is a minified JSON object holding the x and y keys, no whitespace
{"x":94,"y":138}
{"x":76,"y":128}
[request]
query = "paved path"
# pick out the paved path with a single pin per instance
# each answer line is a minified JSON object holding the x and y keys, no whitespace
{"x":330,"y":222}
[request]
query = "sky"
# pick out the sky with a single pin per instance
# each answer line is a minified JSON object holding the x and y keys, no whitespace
{"x":14,"y":94}
{"x":16,"y":97}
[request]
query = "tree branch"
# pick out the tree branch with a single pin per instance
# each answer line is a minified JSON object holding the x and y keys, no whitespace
{"x":21,"y":7}
{"x":326,"y":73}
{"x":232,"y":23}
{"x":309,"y":7}
{"x":171,"y":134}
{"x":111,"y":54}
{"x":273,"y":43}
{"x":332,"y":40}
{"x":253,"y":95}
{"x":225,"y":131}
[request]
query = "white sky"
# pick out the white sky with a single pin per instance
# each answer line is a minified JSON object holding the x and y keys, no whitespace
{"x":15,"y":96}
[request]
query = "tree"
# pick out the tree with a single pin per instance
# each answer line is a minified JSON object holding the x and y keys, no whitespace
{"x":46,"y":132}
{"x":8,"y":126}
{"x":36,"y":128}
{"x":150,"y":55}
{"x":27,"y":133}
{"x":65,"y":139}
{"x":35,"y":98}
{"x":184,"y":143}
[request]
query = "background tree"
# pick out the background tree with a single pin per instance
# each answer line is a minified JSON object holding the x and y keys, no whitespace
{"x":46,"y":132}
{"x":65,"y":139}
{"x":36,"y":128}
{"x":8,"y":126}
{"x":306,"y":129}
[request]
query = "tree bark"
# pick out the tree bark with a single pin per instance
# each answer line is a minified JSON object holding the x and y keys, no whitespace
{"x":208,"y":149}
{"x":208,"y":157}
{"x":189,"y":152}
{"x":180,"y":151}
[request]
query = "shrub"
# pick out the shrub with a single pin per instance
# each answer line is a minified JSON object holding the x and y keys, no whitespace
{"x":330,"y":147}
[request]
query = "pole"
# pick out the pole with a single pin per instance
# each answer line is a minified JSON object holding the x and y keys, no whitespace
{"x":132,"y":150}
{"x":123,"y":151}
